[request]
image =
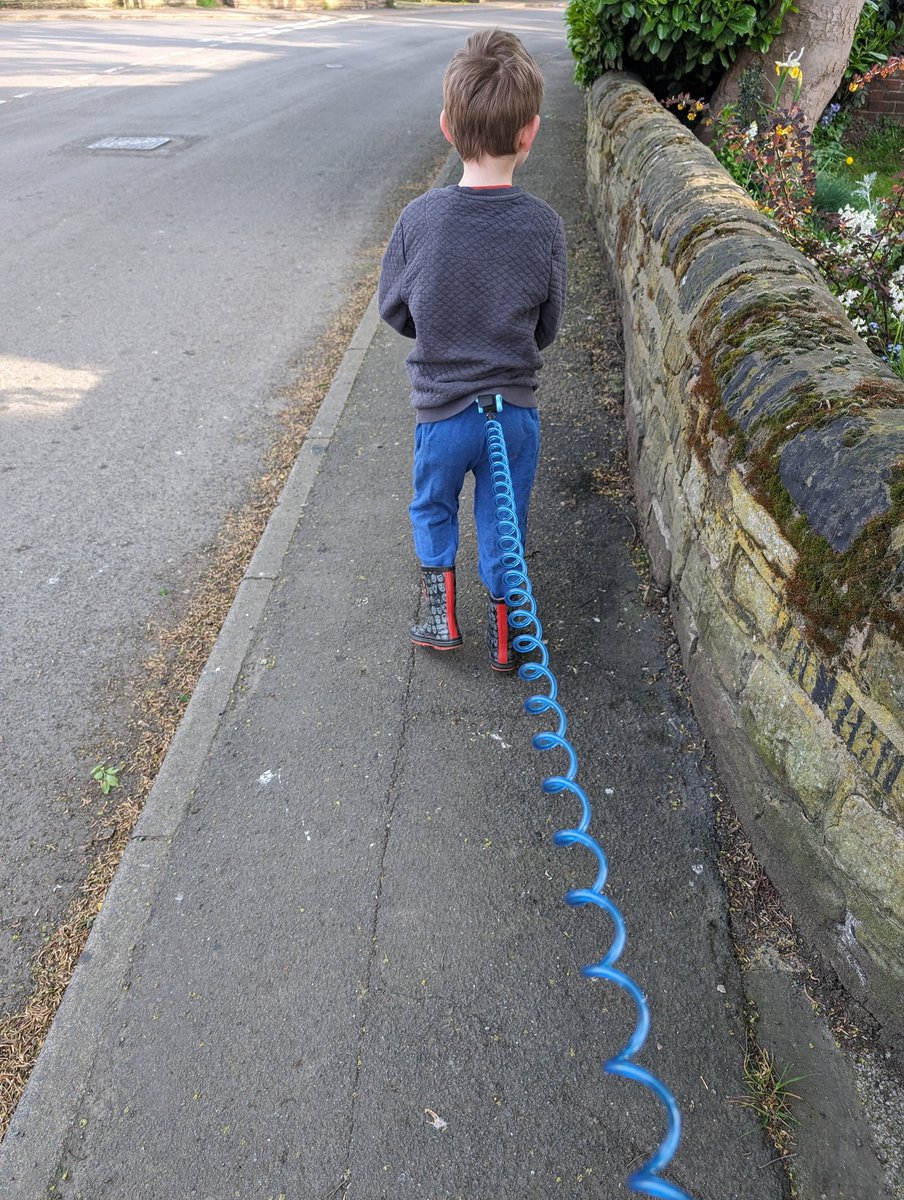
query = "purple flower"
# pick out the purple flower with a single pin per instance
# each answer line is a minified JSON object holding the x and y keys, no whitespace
{"x":829,"y":115}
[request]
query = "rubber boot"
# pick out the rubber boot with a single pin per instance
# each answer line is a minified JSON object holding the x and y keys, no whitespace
{"x":440,"y":630}
{"x":499,"y":635}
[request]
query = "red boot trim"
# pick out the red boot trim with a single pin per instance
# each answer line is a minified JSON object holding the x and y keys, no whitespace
{"x":450,"y":604}
{"x":502,"y":642}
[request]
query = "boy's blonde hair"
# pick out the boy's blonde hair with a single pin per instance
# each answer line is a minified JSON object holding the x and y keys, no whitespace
{"x":492,"y":89}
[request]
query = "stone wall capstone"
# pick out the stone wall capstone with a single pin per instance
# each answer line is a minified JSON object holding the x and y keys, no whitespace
{"x":767,"y":449}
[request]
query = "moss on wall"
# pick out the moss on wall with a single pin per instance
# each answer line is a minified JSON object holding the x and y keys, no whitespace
{"x":767,"y":444}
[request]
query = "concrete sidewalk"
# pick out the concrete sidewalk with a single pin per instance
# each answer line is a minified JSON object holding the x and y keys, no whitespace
{"x":342,"y":911}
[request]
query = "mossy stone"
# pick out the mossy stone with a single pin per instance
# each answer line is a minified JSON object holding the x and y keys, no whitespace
{"x":841,"y":481}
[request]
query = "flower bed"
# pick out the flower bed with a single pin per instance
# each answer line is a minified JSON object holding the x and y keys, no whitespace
{"x":852,"y":229}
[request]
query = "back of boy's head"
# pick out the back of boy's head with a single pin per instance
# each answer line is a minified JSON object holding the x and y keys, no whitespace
{"x":492,"y":89}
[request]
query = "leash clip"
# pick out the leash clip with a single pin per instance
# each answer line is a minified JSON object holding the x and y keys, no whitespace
{"x":489,"y":404}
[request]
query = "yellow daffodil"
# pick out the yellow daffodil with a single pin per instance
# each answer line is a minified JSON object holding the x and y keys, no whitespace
{"x":795,"y":72}
{"x":849,"y":161}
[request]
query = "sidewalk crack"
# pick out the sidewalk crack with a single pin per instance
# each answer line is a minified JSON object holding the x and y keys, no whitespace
{"x":389,"y":813}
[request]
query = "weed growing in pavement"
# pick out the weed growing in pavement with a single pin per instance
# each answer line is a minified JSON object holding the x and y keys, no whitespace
{"x":106,"y":776}
{"x":768,"y":1095}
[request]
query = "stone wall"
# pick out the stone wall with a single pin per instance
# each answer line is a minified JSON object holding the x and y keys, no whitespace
{"x":766,"y":445}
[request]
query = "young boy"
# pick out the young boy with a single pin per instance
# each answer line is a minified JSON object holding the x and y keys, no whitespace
{"x":475,"y":273}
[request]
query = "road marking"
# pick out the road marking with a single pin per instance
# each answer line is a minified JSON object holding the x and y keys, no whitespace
{"x":152,"y":64}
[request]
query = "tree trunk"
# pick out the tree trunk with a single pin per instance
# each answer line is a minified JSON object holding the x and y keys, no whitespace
{"x":825,"y":29}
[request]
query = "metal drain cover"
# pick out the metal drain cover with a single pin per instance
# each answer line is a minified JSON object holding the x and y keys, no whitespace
{"x":129,"y":143}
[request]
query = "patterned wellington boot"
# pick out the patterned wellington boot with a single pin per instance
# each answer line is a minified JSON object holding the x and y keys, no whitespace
{"x":499,"y":635}
{"x":440,"y":630}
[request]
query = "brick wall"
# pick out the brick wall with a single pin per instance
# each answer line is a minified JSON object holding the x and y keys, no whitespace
{"x":740,"y":366}
{"x":885,"y":98}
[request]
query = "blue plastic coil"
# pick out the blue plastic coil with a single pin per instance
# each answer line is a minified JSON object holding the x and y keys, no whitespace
{"x":528,"y":639}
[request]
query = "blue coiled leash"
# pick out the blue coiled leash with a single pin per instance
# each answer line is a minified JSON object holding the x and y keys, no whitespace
{"x":523,"y":617}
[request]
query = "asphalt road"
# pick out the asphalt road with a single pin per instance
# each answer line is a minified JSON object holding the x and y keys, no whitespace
{"x":152,"y":305}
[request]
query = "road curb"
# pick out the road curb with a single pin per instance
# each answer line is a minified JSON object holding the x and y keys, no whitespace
{"x":62,"y":1073}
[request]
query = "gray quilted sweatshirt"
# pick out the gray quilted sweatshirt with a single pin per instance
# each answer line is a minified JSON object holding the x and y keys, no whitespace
{"x":477,"y":277}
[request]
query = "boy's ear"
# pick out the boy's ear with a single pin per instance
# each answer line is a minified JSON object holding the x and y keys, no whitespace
{"x":527,"y":134}
{"x":444,"y":126}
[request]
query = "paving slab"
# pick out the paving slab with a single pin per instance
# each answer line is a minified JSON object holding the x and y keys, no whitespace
{"x":835,"y":1155}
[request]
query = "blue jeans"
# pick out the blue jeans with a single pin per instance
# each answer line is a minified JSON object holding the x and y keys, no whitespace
{"x":444,"y":452}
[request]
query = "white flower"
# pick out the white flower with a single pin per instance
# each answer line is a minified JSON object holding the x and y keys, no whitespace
{"x":896,"y":293}
{"x":858,"y":323}
{"x":847,"y":298}
{"x":859,"y":221}
{"x":752,"y":130}
{"x":793,"y":60}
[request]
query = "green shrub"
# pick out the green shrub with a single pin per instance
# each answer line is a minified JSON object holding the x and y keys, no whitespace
{"x":879,"y":32}
{"x":673,"y":45}
{"x":833,"y":193}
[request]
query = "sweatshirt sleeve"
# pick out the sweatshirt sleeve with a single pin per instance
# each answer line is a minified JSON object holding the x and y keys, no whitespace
{"x":393,"y":308}
{"x":551,"y":310}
